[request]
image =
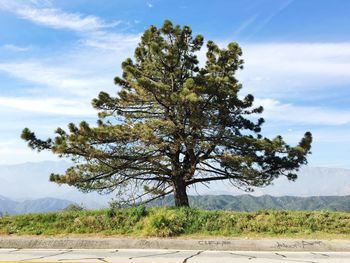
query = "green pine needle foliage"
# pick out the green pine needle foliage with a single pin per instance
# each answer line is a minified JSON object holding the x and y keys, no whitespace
{"x":172,"y":124}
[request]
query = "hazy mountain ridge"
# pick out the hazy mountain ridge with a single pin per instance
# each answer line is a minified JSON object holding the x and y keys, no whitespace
{"x":42,"y":205}
{"x":248,"y":203}
{"x":6,"y":205}
{"x":242,"y":203}
{"x":29,"y":181}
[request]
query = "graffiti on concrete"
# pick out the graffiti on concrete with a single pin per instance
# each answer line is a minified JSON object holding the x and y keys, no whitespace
{"x":298,"y":244}
{"x":144,"y":243}
{"x":214,"y":242}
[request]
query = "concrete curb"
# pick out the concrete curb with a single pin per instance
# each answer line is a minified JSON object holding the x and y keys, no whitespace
{"x":191,"y":244}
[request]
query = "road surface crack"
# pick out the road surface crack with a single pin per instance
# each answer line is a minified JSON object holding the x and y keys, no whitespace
{"x":68,"y":259}
{"x":15,"y":250}
{"x":242,"y":255}
{"x":186,"y":259}
{"x":319,"y":254}
{"x":298,"y":260}
{"x":283,"y":258}
{"x":278,"y":254}
{"x":154,"y":255}
{"x":43,"y":257}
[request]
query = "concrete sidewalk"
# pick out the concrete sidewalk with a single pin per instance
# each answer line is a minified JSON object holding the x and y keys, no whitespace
{"x":179,"y":244}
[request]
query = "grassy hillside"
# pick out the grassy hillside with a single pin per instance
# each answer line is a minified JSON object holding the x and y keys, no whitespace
{"x":248,"y":203}
{"x":171,"y":222}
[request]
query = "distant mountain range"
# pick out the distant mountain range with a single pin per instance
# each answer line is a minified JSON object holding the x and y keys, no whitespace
{"x":254,"y":203}
{"x":209,"y":202}
{"x":311,"y":181}
{"x":30,"y":181}
{"x":42,"y":205}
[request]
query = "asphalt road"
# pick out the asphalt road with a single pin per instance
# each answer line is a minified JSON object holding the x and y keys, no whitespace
{"x":167,"y":256}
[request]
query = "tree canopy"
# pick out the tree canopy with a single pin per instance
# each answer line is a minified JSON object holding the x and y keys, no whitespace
{"x":173,"y":124}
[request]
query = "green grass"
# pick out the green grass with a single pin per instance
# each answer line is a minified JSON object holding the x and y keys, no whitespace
{"x":184,"y":222}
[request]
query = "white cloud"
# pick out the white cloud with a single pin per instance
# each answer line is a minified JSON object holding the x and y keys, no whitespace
{"x":86,"y":68}
{"x":91,"y":70}
{"x":92,"y":29}
{"x":288,"y":69}
{"x":332,"y":136}
{"x":58,"y":19}
{"x":71,"y":80}
{"x":294,"y":114}
{"x":13,"y":152}
{"x":112,"y":41}
{"x":300,"y":58}
{"x":14,"y":48}
{"x":48,"y":106}
{"x":38,"y":13}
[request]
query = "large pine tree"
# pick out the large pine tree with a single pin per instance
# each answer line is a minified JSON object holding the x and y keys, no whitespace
{"x":173,"y":124}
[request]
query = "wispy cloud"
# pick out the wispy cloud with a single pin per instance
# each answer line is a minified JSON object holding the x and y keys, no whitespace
{"x":54,"y":17}
{"x":92,"y":30}
{"x":245,"y":24}
{"x":15,"y":48}
{"x":65,"y":79}
{"x":87,"y":67}
{"x":49,"y":106}
{"x":112,"y":41}
{"x":274,"y":12}
{"x":295,"y":114}
{"x":15,"y":151}
{"x":286,"y":69}
{"x":58,"y":19}
{"x":310,"y":65}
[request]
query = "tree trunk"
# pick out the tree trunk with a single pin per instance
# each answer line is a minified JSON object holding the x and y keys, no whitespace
{"x":180,"y":193}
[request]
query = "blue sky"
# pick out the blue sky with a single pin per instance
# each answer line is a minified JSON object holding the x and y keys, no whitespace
{"x":55,"y":56}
